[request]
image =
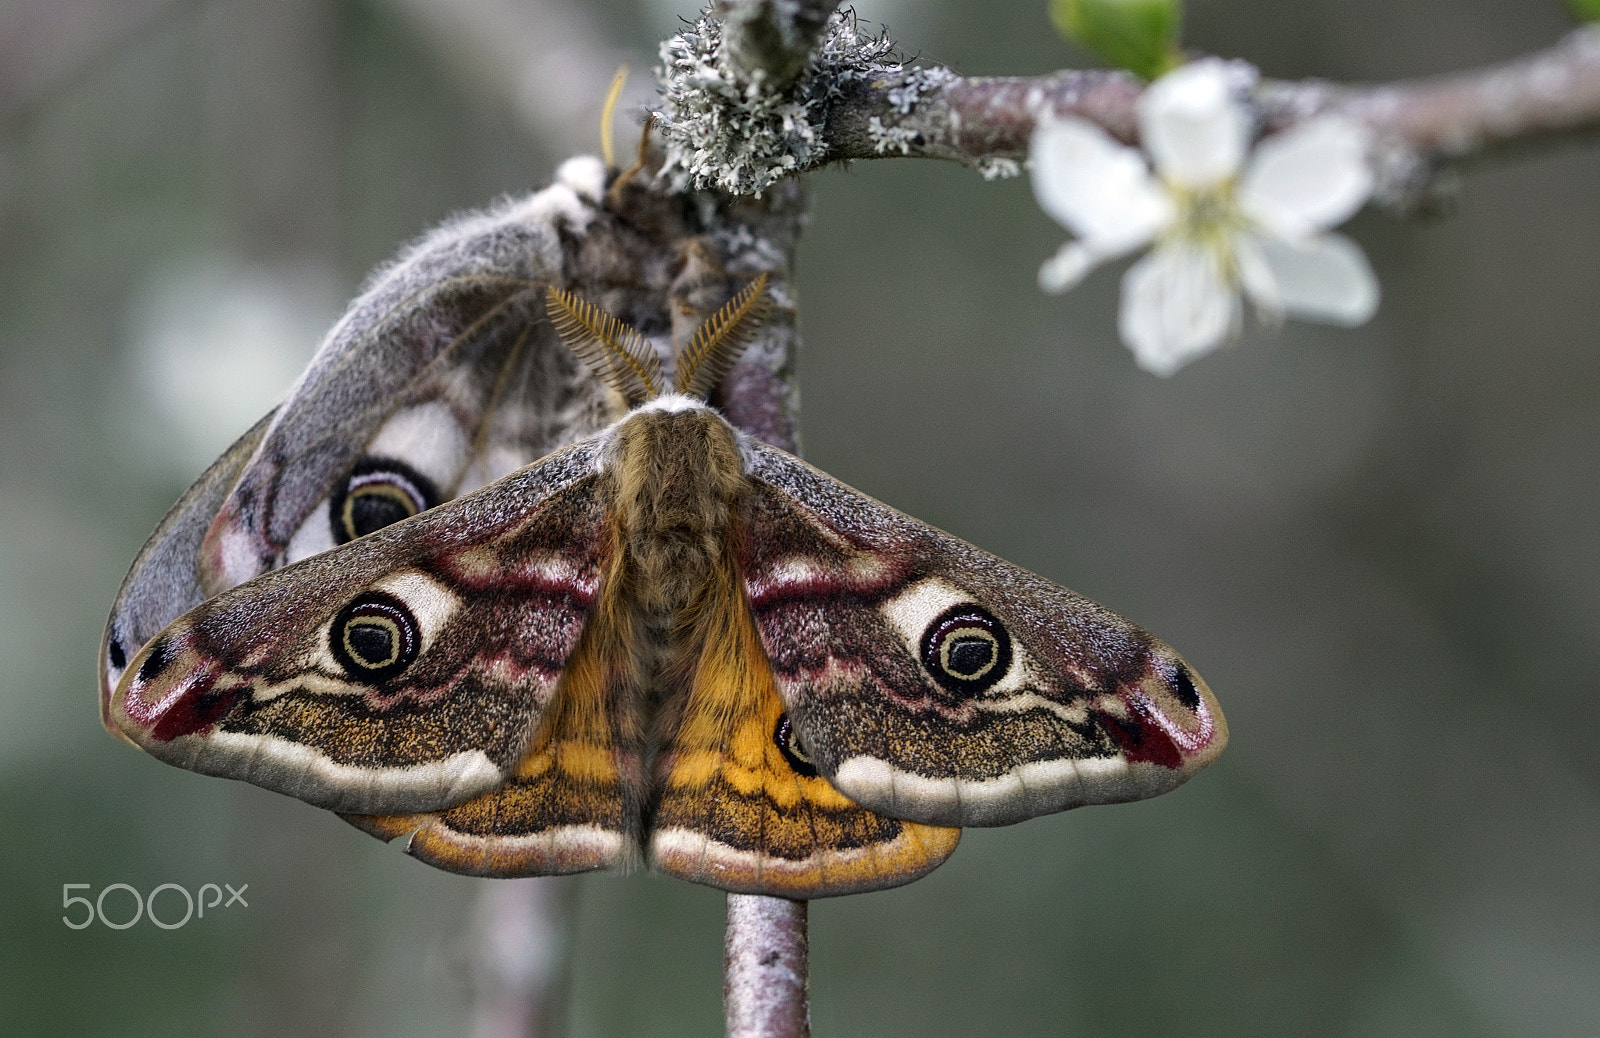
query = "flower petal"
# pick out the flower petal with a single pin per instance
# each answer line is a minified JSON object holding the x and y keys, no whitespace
{"x":1175,"y":306}
{"x":1256,"y":277}
{"x":1066,"y":268}
{"x":1308,"y":178}
{"x":1325,"y":278}
{"x":1096,"y":188}
{"x":1194,"y":130}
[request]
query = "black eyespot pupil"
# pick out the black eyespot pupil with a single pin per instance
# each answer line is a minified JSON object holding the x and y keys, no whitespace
{"x":154,"y":662}
{"x":378,"y":492}
{"x":372,"y":509}
{"x":967,"y":657}
{"x":966,"y":650}
{"x":372,"y":644}
{"x":1183,"y":688}
{"x":374,"y":637}
{"x":792,"y":748}
{"x":114,"y":653}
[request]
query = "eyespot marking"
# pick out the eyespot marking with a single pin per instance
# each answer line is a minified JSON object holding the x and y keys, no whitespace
{"x":1183,"y":687}
{"x":114,"y":653}
{"x":378,"y":492}
{"x":154,"y":663}
{"x":375,"y":637}
{"x":966,"y":649}
{"x":793,"y":749}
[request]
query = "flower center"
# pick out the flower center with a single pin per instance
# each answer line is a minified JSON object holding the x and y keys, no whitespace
{"x":1208,"y":218}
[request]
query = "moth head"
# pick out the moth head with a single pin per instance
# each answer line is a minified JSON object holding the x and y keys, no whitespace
{"x":624,"y":359}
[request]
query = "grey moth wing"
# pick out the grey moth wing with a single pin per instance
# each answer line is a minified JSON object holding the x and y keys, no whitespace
{"x":931,"y":681}
{"x":442,"y":376}
{"x":162,"y":583}
{"x":407,"y":671}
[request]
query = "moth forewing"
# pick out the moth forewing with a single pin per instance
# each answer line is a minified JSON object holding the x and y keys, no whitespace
{"x":937,"y":683}
{"x":405,"y":672}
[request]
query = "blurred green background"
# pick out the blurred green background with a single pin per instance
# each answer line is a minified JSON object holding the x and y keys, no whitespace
{"x":1380,"y":546}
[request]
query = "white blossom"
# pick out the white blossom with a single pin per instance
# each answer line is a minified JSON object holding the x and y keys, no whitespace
{"x":1221,"y":218}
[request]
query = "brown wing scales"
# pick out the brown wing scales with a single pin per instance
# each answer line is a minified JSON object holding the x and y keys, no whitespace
{"x":572,"y":804}
{"x":740,"y":807}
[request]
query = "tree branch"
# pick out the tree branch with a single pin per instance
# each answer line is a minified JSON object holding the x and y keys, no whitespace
{"x":853,"y":102}
{"x":1419,"y":125}
{"x":981,"y":121}
{"x":773,"y":38}
{"x":1424,"y":125}
{"x":764,"y":963}
{"x":517,"y":956}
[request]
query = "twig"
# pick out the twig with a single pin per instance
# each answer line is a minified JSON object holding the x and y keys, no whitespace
{"x":1549,"y":95}
{"x":773,"y":38}
{"x":1421,"y":124}
{"x":672,"y":259}
{"x":853,"y":102}
{"x":764,"y":961}
{"x":518,"y":953}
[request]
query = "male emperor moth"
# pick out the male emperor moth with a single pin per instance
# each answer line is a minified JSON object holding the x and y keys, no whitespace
{"x":451,"y":590}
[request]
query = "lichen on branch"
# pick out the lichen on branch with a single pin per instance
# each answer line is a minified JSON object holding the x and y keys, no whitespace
{"x":733,"y":128}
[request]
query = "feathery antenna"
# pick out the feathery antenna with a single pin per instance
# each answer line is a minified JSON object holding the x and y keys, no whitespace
{"x":717,"y":343}
{"x":612,"y":349}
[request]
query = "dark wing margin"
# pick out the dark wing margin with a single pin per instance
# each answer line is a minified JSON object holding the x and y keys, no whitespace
{"x":937,"y":683}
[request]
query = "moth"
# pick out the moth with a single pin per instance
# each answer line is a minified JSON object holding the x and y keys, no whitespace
{"x":667,"y":643}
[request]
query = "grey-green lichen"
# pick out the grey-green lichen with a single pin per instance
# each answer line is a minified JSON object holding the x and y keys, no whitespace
{"x":726,"y":128}
{"x":997,"y":167}
{"x":904,"y":93}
